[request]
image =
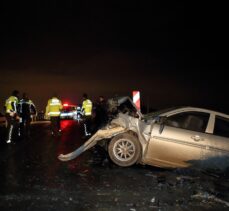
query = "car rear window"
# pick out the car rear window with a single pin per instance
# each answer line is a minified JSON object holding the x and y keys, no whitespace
{"x":68,"y":109}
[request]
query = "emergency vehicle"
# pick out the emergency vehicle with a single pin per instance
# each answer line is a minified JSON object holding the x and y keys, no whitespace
{"x":71,"y":112}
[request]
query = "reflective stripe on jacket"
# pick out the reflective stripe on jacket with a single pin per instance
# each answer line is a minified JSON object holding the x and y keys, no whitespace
{"x":53,"y":107}
{"x":26,"y":107}
{"x":87,"y":107}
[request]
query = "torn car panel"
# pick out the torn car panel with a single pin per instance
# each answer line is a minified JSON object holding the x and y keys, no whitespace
{"x":121,"y":124}
{"x":99,"y":135}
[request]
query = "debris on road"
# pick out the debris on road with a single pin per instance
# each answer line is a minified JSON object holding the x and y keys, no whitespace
{"x":207,"y":196}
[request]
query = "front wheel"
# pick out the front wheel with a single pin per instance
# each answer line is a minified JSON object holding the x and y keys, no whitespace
{"x":124,"y":150}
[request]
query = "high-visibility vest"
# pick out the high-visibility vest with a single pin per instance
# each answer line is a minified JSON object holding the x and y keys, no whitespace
{"x":87,"y":107}
{"x":11,"y":104}
{"x":53,"y":107}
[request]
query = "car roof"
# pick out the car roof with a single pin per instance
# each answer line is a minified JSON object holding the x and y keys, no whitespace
{"x":69,"y":105}
{"x":190,"y":108}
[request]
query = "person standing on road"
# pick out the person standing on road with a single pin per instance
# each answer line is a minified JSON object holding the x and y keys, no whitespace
{"x":101,"y":116}
{"x":53,"y":110}
{"x":87,"y":115}
{"x":12,"y":117}
{"x":26,"y":110}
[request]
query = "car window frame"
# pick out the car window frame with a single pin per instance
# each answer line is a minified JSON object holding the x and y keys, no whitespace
{"x":191,"y":111}
{"x":220,"y":117}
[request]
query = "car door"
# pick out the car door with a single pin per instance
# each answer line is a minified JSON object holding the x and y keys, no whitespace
{"x":216,"y":152}
{"x":179,"y":142}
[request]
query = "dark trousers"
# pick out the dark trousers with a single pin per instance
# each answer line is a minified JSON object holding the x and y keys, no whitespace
{"x":87,"y":125}
{"x":55,"y":124}
{"x":12,"y":127}
{"x":25,"y":126}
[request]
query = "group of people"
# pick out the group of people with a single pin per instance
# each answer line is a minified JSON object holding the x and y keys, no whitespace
{"x":94,"y":116}
{"x":19,"y":114}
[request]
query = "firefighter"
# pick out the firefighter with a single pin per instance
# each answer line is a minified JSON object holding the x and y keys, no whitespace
{"x":87,"y":115}
{"x":53,"y":110}
{"x":26,"y":110}
{"x":12,"y":117}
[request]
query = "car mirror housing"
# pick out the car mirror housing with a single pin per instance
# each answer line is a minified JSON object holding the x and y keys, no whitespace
{"x":161,"y":120}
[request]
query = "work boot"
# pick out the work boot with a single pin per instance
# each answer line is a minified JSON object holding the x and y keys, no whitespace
{"x":59,"y":133}
{"x":8,"y":141}
{"x":87,"y":134}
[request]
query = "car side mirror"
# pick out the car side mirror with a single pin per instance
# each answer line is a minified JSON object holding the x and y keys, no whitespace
{"x":161,"y":121}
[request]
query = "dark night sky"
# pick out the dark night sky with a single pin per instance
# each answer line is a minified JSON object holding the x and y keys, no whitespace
{"x":174,"y":53}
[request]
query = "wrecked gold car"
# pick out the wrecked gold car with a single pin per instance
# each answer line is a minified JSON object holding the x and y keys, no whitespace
{"x":172,"y":138}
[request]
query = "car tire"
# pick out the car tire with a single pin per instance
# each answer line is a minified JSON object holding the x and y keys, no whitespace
{"x":124,"y":150}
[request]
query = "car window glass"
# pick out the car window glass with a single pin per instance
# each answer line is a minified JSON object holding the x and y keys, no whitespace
{"x":221,"y":126}
{"x":68,"y":109}
{"x":195,"y":121}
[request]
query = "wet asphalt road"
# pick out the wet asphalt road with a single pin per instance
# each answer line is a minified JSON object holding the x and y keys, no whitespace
{"x":32,"y":178}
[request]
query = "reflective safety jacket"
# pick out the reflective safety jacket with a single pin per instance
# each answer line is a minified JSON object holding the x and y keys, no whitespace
{"x":53,"y":107}
{"x":87,"y":107}
{"x":11,"y":104}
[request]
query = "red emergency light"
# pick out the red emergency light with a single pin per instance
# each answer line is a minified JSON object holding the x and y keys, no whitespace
{"x":65,"y":104}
